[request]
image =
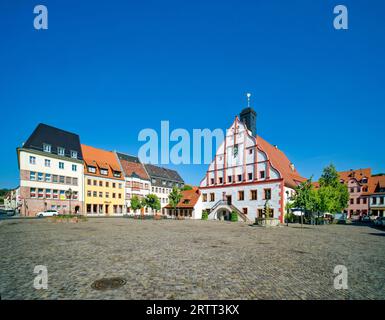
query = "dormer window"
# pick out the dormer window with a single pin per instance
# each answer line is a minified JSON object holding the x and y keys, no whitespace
{"x":104,"y":172}
{"x":364,"y":180}
{"x":74,"y":154}
{"x":116,"y":174}
{"x":46,"y":147}
{"x":186,"y":201}
{"x":235,"y":150}
{"x":91,"y":169}
{"x":60,"y":151}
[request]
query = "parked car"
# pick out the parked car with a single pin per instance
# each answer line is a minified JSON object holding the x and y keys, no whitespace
{"x":47,"y":213}
{"x":366,"y":218}
{"x":340,"y":218}
{"x":8,"y":212}
{"x":380,"y":221}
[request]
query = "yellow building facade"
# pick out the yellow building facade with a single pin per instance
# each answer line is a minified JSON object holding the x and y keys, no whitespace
{"x":103,"y":182}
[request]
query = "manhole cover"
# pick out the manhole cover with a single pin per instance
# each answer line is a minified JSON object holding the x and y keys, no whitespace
{"x":108,"y":283}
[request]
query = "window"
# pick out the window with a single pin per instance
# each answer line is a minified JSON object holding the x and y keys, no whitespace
{"x":55,"y":194}
{"x":61,"y":179}
{"x":204,"y":197}
{"x":119,"y":195}
{"x":374,"y":200}
{"x":229,"y":179}
{"x":60,"y":151}
{"x":352,"y":201}
{"x":351,"y":190}
{"x":153,"y":180}
{"x":107,"y":194}
{"x":239,"y":177}
{"x":46,"y":147}
{"x":253,"y":194}
{"x":89,"y":182}
{"x":235,"y":150}
{"x":32,"y":176}
{"x":107,"y":184}
{"x":75,"y":195}
{"x":74,"y":167}
{"x":88,"y":193}
{"x":75,"y":181}
{"x":250,"y":151}
{"x":48,"y":193}
{"x":212,"y":197}
{"x":262,"y":174}
{"x":244,"y":210}
{"x":212,"y":181}
{"x":267,"y":194}
{"x":358,"y":189}
{"x":358,"y":200}
{"x":62,"y":195}
{"x":54,"y":178}
{"x":364,"y":180}
{"x":47,"y":177}
{"x":364,"y":201}
{"x":381,"y":200}
{"x":40,"y":193}
{"x":250,"y":176}
{"x":40,"y":177}
{"x":241,"y":195}
{"x":100,"y":183}
{"x":91,"y":169}
{"x":32,"y":160}
{"x":120,"y":186}
{"x":114,"y":195}
{"x":114,"y":185}
{"x":68,"y":180}
{"x":117,"y":174}
{"x":32,"y":192}
{"x":104,"y":172}
{"x":47,"y":162}
{"x":94,"y":182}
{"x":61,"y":165}
{"x":100,"y":194}
{"x":220,"y":180}
{"x":74,"y":154}
{"x":94,"y":194}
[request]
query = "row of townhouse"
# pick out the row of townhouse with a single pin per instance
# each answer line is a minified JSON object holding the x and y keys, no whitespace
{"x":57,"y":172}
{"x":366,"y":192}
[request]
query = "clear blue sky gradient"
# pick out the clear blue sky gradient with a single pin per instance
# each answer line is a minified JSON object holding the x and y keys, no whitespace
{"x":107,"y":69}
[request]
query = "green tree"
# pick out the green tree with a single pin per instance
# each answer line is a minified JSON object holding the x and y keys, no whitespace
{"x":187,"y":187}
{"x":152,"y":201}
{"x":205,"y":215}
{"x":234,"y":216}
{"x":136,"y":203}
{"x":334,"y":195}
{"x":174,"y":197}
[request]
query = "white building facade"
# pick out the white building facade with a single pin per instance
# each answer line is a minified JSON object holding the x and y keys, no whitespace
{"x":248,"y":176}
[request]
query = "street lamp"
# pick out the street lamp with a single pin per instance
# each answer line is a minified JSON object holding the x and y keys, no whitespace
{"x":69,"y":194}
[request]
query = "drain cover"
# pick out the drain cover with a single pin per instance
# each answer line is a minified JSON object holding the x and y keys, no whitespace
{"x":108,"y":283}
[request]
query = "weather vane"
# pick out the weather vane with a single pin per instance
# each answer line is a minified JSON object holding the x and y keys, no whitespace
{"x":248,"y":99}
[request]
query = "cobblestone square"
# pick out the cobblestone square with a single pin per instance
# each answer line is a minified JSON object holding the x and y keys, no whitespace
{"x":189,"y":260}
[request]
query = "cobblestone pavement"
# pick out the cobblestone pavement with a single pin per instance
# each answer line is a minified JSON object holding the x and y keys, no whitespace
{"x":189,"y":260}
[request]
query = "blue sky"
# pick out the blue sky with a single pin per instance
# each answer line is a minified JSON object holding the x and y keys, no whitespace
{"x":107,"y":69}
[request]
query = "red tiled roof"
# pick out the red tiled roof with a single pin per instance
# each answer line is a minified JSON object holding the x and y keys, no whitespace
{"x":280,"y":161}
{"x":374,"y":182}
{"x":358,"y":174}
{"x":189,"y":198}
{"x":101,"y":159}
{"x":132,"y":168}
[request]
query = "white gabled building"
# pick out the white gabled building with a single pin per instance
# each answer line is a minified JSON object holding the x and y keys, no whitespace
{"x":248,"y":175}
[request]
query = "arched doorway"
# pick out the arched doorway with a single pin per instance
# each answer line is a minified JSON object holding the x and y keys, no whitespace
{"x":224,"y":214}
{"x":77,"y":208}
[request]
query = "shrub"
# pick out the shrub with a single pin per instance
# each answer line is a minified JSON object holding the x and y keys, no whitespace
{"x":234,"y":216}
{"x":205,"y":215}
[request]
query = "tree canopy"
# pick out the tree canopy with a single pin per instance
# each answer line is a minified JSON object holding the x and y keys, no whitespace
{"x":332,"y":196}
{"x":152,"y":201}
{"x":174,"y":197}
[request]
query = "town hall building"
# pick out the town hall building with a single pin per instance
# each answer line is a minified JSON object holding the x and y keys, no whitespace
{"x":248,"y":175}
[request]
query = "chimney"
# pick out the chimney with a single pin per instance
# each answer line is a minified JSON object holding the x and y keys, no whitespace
{"x":249,"y":117}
